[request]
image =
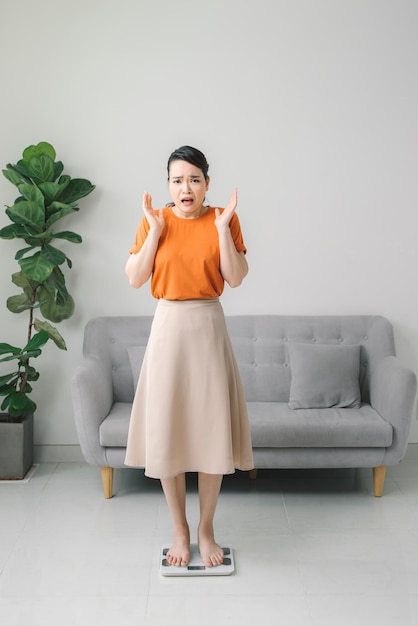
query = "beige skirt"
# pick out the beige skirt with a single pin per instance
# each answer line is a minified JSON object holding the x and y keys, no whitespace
{"x":189,"y":412}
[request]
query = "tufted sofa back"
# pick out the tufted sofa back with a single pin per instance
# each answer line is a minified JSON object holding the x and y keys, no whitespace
{"x":108,"y":339}
{"x":261,"y":347}
{"x":260,"y":343}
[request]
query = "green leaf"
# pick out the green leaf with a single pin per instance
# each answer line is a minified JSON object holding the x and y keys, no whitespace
{"x":5,"y":404}
{"x":31,"y":373}
{"x":52,"y":333}
{"x":37,"y":267}
{"x":69,"y":236}
{"x":52,"y":191}
{"x":19,"y":405}
{"x":42,"y":148}
{"x":21,"y":169}
{"x":53,"y":255}
{"x":37,"y":240}
{"x":14,"y":177}
{"x":31,"y":354}
{"x":17,"y":304}
{"x":56,"y":288}
{"x":13,"y":231}
{"x":6,"y":348}
{"x":6,"y":389}
{"x":14,"y":171}
{"x":33,"y":194}
{"x":27,"y":213}
{"x":8,"y":378}
{"x":76,"y":189}
{"x":20,"y":280}
{"x":41,"y":170}
{"x":13,"y":357}
{"x":37,"y":341}
{"x":58,"y":169}
{"x":21,"y":253}
{"x":53,"y":310}
{"x":57,"y":210}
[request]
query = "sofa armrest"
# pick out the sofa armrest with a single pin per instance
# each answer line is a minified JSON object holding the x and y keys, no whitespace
{"x":392,"y":394}
{"x":92,"y":396}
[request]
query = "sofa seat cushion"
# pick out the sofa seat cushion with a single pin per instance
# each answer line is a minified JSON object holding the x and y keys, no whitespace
{"x":274,"y":424}
{"x":113,"y":431}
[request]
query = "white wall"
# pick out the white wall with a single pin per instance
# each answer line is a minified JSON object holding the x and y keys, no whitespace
{"x":308,"y":107}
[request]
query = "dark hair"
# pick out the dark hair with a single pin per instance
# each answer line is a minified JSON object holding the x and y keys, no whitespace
{"x":191,"y":155}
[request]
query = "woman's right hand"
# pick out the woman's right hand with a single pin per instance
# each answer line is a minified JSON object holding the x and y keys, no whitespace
{"x":140,"y":265}
{"x":155,"y":219}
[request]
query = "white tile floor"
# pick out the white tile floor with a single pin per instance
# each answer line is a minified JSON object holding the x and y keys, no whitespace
{"x":311,"y":548}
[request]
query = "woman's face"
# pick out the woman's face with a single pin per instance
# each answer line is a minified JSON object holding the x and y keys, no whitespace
{"x":187,"y":186}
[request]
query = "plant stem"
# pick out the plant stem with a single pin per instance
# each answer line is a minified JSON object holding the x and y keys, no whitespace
{"x":33,"y":300}
{"x":24,"y":378}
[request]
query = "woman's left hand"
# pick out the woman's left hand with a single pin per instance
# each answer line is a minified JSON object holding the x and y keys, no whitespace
{"x":223,"y":218}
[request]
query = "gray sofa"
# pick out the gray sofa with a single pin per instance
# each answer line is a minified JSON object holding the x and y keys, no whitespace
{"x":322,"y":391}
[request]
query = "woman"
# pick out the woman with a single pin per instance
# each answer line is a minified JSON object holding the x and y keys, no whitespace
{"x":189,"y":412}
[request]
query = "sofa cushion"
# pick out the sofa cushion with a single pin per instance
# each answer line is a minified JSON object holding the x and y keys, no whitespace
{"x":324,"y":376}
{"x":274,"y":424}
{"x":113,"y":431}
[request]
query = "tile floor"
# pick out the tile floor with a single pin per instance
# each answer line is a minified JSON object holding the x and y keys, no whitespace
{"x":311,"y":548}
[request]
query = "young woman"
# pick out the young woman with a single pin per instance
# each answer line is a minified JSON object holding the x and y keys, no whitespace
{"x":189,"y":412}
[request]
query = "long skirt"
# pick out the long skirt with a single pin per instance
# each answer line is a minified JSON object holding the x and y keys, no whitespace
{"x":189,"y":412}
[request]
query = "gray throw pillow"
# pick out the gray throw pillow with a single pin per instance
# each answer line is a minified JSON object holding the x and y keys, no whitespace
{"x":324,"y":376}
{"x":136,"y":356}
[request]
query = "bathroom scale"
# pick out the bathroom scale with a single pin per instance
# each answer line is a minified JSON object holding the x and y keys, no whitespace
{"x":196,"y":567}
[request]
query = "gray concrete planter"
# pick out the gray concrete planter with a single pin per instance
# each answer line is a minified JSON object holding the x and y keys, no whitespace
{"x":16,"y":448}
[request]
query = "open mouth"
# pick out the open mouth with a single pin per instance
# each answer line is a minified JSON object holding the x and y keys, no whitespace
{"x":187,"y":201}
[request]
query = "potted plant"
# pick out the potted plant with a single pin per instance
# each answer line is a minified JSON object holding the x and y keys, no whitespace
{"x":46,"y":196}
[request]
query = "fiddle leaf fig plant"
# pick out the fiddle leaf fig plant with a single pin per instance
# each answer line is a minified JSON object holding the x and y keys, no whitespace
{"x":46,"y":196}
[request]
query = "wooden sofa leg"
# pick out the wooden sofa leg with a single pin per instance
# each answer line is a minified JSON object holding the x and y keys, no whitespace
{"x":107,"y":480}
{"x":379,"y":474}
{"x":253,"y":474}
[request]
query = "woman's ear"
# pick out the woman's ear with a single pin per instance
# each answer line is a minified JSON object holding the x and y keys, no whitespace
{"x":207,"y":183}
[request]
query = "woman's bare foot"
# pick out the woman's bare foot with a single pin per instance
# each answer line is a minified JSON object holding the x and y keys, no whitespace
{"x":179,"y":553}
{"x":210,"y":553}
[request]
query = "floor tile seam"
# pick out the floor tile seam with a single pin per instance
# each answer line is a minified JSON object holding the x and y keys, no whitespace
{"x":365,"y":594}
{"x":3,"y":570}
{"x":286,"y":512}
{"x":402,"y":492}
{"x":45,"y":484}
{"x":30,"y":514}
{"x":72,"y":596}
{"x":155,"y":595}
{"x":368,"y":563}
{"x":154,"y":561}
{"x":302,"y":529}
{"x":256,"y":528}
{"x":245,"y":593}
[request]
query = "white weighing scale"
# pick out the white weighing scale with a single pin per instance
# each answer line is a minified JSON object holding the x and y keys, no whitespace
{"x":196,"y":567}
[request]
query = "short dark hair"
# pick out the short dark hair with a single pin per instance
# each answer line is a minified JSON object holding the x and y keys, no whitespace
{"x":191,"y":155}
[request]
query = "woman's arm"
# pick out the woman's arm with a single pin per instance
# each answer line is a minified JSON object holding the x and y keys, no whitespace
{"x":234,"y":266}
{"x":139,"y":266}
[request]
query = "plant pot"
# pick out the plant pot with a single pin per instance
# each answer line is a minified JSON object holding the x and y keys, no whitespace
{"x":16,"y":448}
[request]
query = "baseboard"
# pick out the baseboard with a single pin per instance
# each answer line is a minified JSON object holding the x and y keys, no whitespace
{"x":58,"y":454}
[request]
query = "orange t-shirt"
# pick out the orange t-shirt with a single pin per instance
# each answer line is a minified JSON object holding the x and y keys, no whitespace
{"x":187,"y":262}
